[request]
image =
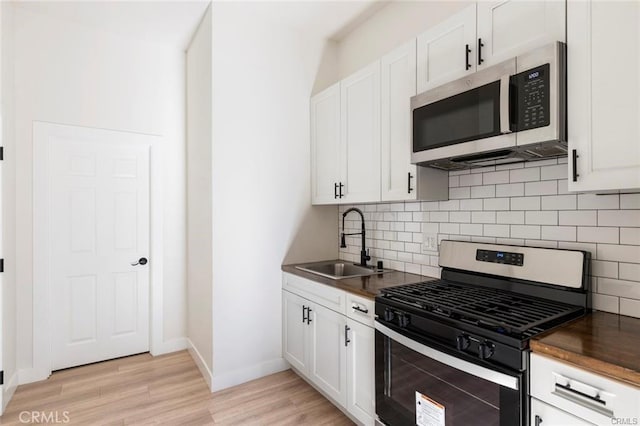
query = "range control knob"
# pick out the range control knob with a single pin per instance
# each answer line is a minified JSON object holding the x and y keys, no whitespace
{"x":389,"y":315}
{"x":403,"y":320}
{"x":462,"y":342}
{"x":486,"y":350}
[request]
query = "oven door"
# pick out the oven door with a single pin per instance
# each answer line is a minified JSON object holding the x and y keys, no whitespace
{"x":417,"y":384}
{"x":464,"y":117}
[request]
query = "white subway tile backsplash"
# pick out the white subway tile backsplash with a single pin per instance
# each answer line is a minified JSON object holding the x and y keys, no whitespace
{"x":525,"y":203}
{"x":524,"y":175}
{"x":460,"y":217}
{"x":593,"y":234}
{"x":525,"y":231}
{"x":541,"y":218}
{"x":510,"y":190}
{"x":559,"y":202}
{"x":496,"y":230}
{"x":518,"y":204}
{"x":619,"y":218}
{"x":630,"y":236}
{"x":547,"y":187}
{"x":594,"y":201}
{"x":485,"y":191}
{"x":516,"y":218}
{"x":629,"y":271}
{"x":559,"y":233}
{"x":483,"y":217}
{"x":630,"y":201}
{"x":496,"y":204}
{"x":559,"y":171}
{"x":578,"y":217}
{"x":471,"y":180}
{"x":496,"y":177}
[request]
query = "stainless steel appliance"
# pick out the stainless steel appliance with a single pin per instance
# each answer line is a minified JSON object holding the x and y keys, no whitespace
{"x":513,"y":111}
{"x":455,"y":351}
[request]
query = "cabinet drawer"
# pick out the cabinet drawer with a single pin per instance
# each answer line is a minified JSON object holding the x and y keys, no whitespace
{"x":360,"y":309}
{"x":544,"y":414}
{"x":321,"y":294}
{"x":592,"y":397}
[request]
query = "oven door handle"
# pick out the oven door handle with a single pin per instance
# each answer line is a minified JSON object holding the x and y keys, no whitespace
{"x":457,"y":363}
{"x":504,"y":104}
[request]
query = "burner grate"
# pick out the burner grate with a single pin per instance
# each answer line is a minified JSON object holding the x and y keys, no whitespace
{"x":505,"y":311}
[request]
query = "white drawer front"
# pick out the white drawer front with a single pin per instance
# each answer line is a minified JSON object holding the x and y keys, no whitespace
{"x":545,"y":415}
{"x":592,"y":397}
{"x":319,"y":293}
{"x":360,"y":309}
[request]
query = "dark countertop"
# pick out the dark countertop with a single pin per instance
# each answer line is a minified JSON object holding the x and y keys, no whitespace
{"x":368,"y":286}
{"x":603,"y":343}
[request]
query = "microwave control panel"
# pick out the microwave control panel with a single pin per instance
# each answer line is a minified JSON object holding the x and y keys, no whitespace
{"x":532,"y":98}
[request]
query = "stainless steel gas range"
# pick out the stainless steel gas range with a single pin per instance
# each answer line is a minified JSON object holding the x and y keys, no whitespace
{"x":455,"y":351}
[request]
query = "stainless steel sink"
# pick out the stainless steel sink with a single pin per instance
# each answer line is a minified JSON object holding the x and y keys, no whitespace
{"x":339,"y":270}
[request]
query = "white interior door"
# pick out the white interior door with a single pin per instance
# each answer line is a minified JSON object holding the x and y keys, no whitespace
{"x":99,"y":227}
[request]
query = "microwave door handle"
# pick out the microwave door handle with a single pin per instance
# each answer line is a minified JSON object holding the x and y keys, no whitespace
{"x":504,"y":104}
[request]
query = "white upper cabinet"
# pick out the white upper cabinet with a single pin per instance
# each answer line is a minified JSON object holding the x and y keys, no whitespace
{"x":603,"y":63}
{"x":402,"y":180}
{"x":325,"y":145}
{"x":360,"y":135}
{"x":512,"y":27}
{"x":446,"y":51}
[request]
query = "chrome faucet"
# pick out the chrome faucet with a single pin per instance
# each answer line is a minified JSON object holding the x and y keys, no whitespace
{"x":343,"y":244}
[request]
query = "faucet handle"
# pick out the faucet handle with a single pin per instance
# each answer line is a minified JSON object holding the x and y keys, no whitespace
{"x":368,"y":257}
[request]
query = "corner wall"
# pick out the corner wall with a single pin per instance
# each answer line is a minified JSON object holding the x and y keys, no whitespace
{"x":263,"y":76}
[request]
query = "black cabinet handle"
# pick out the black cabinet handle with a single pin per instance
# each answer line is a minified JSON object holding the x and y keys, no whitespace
{"x":346,"y":335}
{"x":574,"y":161}
{"x":341,"y":185}
{"x":466,"y":56}
{"x":308,"y":315}
{"x":359,"y":309}
{"x":335,"y":190}
{"x":480,"y":46}
{"x":304,"y":317}
{"x":409,"y":188}
{"x":142,"y":261}
{"x":538,"y":420}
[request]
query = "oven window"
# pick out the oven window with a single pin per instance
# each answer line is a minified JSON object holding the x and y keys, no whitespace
{"x":471,"y":115}
{"x":467,"y":399}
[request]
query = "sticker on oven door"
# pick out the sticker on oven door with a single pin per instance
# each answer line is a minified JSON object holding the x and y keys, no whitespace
{"x":428,"y":411}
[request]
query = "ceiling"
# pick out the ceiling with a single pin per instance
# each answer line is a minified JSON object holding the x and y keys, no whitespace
{"x":174,"y":22}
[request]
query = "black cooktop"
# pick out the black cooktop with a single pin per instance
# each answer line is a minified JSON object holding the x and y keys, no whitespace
{"x":496,"y":310}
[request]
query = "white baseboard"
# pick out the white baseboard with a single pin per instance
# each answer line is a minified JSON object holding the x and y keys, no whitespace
{"x":202,"y":366}
{"x":236,"y":377}
{"x":8,"y":390}
{"x":173,"y":345}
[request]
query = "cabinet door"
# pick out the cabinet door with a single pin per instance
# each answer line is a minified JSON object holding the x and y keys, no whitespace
{"x":325,"y":145}
{"x":509,"y":28}
{"x":398,"y":86}
{"x":294,"y":331}
{"x":360,"y":139}
{"x":328,"y":352}
{"x":361,"y":372}
{"x":442,"y":50}
{"x":547,"y":415}
{"x":603,"y":65}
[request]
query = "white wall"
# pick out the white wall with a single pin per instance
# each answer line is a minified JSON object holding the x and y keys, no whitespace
{"x":8,"y":279}
{"x":389,"y":27}
{"x":263,"y":76}
{"x":199,"y":215}
{"x":73,"y":74}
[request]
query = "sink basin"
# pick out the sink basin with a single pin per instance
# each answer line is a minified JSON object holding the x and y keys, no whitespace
{"x":338,"y":270}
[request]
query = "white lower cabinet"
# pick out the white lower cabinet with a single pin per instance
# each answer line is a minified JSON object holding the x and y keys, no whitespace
{"x":332,"y":351}
{"x":546,"y":415}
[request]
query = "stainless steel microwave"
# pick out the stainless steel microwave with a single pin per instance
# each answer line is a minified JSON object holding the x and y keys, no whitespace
{"x":510,"y":112}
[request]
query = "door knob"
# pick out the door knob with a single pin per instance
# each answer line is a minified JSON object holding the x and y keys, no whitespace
{"x":142,"y":261}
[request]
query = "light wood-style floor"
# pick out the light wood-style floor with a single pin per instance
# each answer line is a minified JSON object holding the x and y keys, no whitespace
{"x":169,"y":390}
